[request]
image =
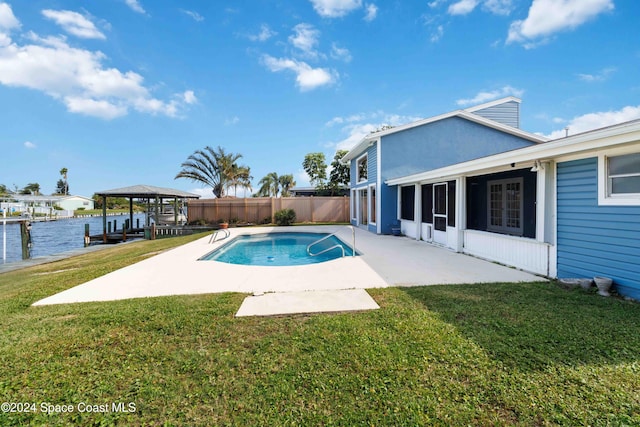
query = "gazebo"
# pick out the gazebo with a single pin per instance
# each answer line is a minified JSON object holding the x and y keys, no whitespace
{"x":147,"y":192}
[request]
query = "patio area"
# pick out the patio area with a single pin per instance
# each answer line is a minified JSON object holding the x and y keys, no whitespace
{"x":383,"y":261}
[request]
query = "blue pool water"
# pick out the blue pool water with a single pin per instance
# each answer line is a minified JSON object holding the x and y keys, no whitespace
{"x":278,"y":249}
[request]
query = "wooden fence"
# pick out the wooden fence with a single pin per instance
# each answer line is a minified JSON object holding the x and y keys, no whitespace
{"x":260,"y":210}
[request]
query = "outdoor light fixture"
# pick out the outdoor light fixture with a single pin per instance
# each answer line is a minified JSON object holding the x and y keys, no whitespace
{"x":537,"y":166}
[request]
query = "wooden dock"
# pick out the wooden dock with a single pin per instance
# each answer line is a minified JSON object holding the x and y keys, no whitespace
{"x":152,"y":233}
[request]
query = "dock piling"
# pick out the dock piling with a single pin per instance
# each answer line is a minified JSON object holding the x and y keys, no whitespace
{"x":87,"y":238}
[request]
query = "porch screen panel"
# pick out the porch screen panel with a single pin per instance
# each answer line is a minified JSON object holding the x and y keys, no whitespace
{"x":427,"y":203}
{"x":451,"y":204}
{"x":440,"y":200}
{"x":407,"y":202}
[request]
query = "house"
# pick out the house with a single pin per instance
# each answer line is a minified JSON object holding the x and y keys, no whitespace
{"x":566,"y":208}
{"x":314,"y":192}
{"x":47,"y":204}
{"x":424,"y":145}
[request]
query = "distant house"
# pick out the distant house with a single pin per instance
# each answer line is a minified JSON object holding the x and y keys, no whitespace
{"x":44,"y":204}
{"x":314,"y":192}
{"x":424,"y":145}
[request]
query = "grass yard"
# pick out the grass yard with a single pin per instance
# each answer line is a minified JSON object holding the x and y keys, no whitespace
{"x":499,"y":354}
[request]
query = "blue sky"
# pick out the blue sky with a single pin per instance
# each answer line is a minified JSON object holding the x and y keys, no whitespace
{"x":120,"y":92}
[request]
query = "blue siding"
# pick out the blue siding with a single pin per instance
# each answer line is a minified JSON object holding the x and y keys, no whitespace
{"x":507,"y":113}
{"x":596,"y":240}
{"x":442,"y":143}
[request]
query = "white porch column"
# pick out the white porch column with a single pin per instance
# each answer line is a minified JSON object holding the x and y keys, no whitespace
{"x":417,"y":211}
{"x":541,"y":191}
{"x":461,"y":211}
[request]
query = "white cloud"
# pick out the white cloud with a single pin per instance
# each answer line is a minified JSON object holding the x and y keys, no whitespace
{"x":74,"y":23}
{"x":498,"y":7}
{"x":232,"y":121}
{"x":96,"y":108}
{"x":601,"y":76}
{"x":135,"y":6}
{"x":30,"y":145}
{"x":437,"y":34}
{"x":8,"y":21}
{"x":307,"y":78}
{"x":371,"y":12}
{"x":189,"y":97}
{"x":335,"y":8}
{"x":78,"y":78}
{"x":195,"y":15}
{"x":462,"y":7}
{"x":482,"y":97}
{"x":598,"y":120}
{"x":340,"y":53}
{"x":360,"y":125}
{"x":305,"y":38}
{"x":265,"y":34}
{"x":547,"y":17}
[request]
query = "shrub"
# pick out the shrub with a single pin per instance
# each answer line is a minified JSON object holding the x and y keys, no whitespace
{"x":285,"y":217}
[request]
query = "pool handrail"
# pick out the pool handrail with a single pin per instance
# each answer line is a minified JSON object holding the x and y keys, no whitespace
{"x":213,"y":239}
{"x":337,"y":245}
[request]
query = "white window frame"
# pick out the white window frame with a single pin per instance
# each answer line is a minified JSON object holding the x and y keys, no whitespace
{"x":365,"y":158}
{"x":604,"y":192}
{"x":504,"y":229}
{"x":372,"y":189}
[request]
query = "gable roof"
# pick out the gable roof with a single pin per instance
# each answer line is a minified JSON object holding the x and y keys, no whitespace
{"x":596,"y":139}
{"x":468,"y":114}
{"x":147,"y":191}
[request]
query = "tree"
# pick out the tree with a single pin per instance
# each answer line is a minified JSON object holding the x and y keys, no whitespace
{"x":3,"y":190}
{"x":286,"y":183}
{"x":61,"y":187}
{"x":215,"y":168}
{"x":240,"y":177}
{"x":340,"y":172}
{"x":269,"y":185}
{"x":314,"y":165}
{"x":65,"y":190}
{"x":31,"y":188}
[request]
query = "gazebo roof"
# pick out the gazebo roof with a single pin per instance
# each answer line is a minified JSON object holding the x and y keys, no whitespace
{"x":147,"y":191}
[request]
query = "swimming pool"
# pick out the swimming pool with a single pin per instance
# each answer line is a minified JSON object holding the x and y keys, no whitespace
{"x":280,"y":249}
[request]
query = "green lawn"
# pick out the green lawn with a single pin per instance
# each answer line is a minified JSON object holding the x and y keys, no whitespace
{"x":499,"y":354}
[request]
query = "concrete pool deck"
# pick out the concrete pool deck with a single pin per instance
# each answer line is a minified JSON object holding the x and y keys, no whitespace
{"x":383,"y":261}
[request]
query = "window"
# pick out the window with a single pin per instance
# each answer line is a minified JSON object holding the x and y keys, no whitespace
{"x":372,"y":203}
{"x":362,"y":219}
{"x":504,"y":206}
{"x":623,"y":174}
{"x":407,"y":200}
{"x":353,"y":204}
{"x":361,"y":165}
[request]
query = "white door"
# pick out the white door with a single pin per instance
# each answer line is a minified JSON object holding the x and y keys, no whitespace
{"x":440,"y":213}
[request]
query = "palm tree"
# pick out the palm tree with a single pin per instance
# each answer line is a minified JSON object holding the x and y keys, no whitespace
{"x":63,"y":172}
{"x":269,"y":185}
{"x":286,"y":183}
{"x":214,"y":168}
{"x":241,"y":178}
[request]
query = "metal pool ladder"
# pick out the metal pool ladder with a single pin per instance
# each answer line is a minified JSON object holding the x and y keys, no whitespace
{"x":214,"y":236}
{"x":337,"y":245}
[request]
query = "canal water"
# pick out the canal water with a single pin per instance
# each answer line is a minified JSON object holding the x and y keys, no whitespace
{"x":53,"y":237}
